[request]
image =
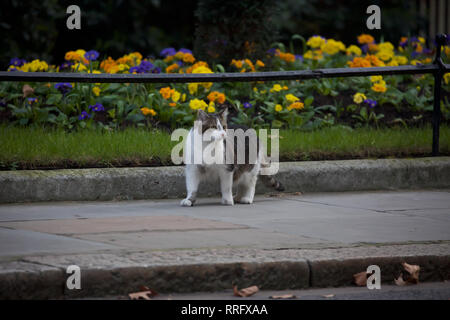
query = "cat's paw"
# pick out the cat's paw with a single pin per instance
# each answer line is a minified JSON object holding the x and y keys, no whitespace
{"x":245,"y":200}
{"x":228,"y":202}
{"x":186,"y":203}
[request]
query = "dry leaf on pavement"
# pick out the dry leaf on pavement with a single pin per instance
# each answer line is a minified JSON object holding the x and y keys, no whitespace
{"x":399,"y":281}
{"x":283,"y":296}
{"x":360,"y":279}
{"x":413,"y":277}
{"x":413,"y":270}
{"x":145,"y":294}
{"x":246,"y":292}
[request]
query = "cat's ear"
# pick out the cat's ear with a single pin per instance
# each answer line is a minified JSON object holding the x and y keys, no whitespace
{"x":201,"y":115}
{"x":223,"y":114}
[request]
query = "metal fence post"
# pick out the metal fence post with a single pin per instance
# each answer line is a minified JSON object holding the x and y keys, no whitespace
{"x":438,"y":74}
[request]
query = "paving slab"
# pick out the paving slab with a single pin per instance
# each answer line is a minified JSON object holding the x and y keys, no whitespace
{"x":14,"y":243}
{"x":122,"y":224}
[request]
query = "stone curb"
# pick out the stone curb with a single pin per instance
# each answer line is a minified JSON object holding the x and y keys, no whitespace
{"x":168,"y":182}
{"x":30,"y":279}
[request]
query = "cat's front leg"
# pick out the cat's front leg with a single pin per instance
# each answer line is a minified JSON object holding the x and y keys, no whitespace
{"x":226,"y":186}
{"x":192,"y":182}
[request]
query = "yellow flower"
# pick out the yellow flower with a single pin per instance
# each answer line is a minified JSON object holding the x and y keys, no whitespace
{"x":193,"y":87}
{"x":359,"y":97}
{"x":80,"y":67}
{"x":147,"y":111}
{"x":276,"y":88}
{"x":376,"y":78}
{"x":385,"y":55}
{"x":386,"y":46}
{"x":296,"y":105}
{"x":353,"y":50}
{"x":278,"y":108}
{"x":203,"y":69}
{"x":393,"y":63}
{"x":313,"y":55}
{"x":96,"y":91}
{"x":379,"y":87}
{"x":315,"y":42}
{"x":237,"y":63}
{"x":401,"y":59}
{"x":291,"y":98}
{"x":415,"y":62}
{"x":211,"y":107}
{"x":196,"y":104}
{"x":332,"y":47}
{"x":176,"y":96}
{"x":183,"y":97}
{"x":447,"y":78}
{"x":260,"y":64}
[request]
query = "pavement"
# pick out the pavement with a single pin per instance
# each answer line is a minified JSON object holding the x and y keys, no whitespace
{"x":282,"y":241}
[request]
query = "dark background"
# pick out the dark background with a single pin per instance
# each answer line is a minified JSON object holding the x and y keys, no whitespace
{"x":37,"y":29}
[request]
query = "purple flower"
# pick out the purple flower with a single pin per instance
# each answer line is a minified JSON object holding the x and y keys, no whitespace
{"x":179,"y":63}
{"x":414,"y":39}
{"x":63,"y":87}
{"x":84,"y":115}
{"x":143,"y":67}
{"x":91,"y":55}
{"x":365,"y":48}
{"x":185,"y":50}
{"x":299,"y":57}
{"x":247,"y":105}
{"x":17,"y":62}
{"x":65,"y":65}
{"x":156,"y":70}
{"x":135,"y":69}
{"x":168,"y":52}
{"x":146,"y":66}
{"x":97,"y":107}
{"x":371,"y":103}
{"x":32,"y":100}
{"x":271,"y":51}
{"x":403,"y":44}
{"x":2,"y":103}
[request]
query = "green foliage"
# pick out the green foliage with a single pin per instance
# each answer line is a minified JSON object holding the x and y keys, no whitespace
{"x":234,"y":29}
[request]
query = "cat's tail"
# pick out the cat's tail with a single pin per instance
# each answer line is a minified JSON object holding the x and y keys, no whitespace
{"x":269,"y":180}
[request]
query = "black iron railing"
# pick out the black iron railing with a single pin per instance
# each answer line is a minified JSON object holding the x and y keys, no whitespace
{"x":437,"y":68}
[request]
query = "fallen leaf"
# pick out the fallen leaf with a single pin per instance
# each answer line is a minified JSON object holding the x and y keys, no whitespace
{"x":27,"y":90}
{"x":246,"y":292}
{"x":146,"y":294}
{"x":328,"y":295}
{"x":360,"y":279}
{"x":399,"y":281}
{"x":283,"y":296}
{"x":413,"y":270}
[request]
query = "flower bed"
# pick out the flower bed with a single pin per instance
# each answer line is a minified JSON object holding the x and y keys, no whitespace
{"x":386,"y":101}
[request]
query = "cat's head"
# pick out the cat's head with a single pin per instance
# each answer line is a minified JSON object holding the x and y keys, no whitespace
{"x":217,"y":122}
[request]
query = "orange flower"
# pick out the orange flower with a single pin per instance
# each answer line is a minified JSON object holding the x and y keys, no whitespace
{"x":188,"y":58}
{"x":215,"y":96}
{"x":166,"y":92}
{"x":172,"y":67}
{"x":172,"y":104}
{"x":365,"y":38}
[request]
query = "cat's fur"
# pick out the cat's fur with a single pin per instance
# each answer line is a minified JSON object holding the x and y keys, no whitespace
{"x":245,"y":175}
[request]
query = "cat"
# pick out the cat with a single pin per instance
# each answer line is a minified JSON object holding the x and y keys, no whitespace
{"x":244,"y":175}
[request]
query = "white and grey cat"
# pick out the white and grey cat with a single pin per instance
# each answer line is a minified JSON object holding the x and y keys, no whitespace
{"x":244,"y":175}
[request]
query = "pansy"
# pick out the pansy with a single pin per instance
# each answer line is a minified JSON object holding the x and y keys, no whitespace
{"x":63,"y":87}
{"x":97,"y":107}
{"x":32,"y":100}
{"x":249,"y":105}
{"x":168,"y":52}
{"x":91,"y":55}
{"x":84,"y":115}
{"x":17,"y":62}
{"x":371,"y":103}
